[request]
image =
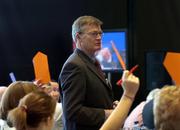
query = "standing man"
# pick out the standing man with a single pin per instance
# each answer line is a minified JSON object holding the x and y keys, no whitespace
{"x":86,"y":94}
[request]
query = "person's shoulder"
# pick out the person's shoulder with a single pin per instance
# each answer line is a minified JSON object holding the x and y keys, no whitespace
{"x":73,"y":58}
{"x":76,"y":61}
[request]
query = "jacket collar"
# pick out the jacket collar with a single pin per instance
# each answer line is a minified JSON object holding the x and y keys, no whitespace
{"x":90,"y":64}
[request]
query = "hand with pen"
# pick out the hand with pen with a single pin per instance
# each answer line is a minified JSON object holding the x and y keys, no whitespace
{"x":130,"y":72}
{"x":130,"y":84}
{"x":123,"y":65}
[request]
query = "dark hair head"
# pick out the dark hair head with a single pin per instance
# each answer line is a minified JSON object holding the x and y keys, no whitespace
{"x":13,"y":94}
{"x":33,"y":109}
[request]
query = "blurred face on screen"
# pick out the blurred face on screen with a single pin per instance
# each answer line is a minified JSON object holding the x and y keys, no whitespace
{"x":89,"y":39}
{"x":106,"y":54}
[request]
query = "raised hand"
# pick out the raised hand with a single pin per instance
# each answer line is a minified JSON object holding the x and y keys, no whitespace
{"x":130,"y":84}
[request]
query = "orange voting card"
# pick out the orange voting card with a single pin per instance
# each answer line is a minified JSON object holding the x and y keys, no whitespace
{"x":41,"y":67}
{"x":172,"y":63}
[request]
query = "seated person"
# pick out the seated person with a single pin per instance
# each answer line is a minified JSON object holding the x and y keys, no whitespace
{"x":55,"y":90}
{"x":135,"y":117}
{"x":166,"y":108}
{"x":148,"y":116}
{"x":52,"y":89}
{"x":58,"y":125}
{"x":11,"y":98}
{"x":34,"y":112}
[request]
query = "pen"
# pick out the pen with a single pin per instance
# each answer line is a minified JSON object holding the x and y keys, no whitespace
{"x":130,"y":72}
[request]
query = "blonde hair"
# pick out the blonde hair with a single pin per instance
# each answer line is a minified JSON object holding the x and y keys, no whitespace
{"x":166,"y":108}
{"x":80,"y":22}
{"x":13,"y":94}
{"x":33,"y":109}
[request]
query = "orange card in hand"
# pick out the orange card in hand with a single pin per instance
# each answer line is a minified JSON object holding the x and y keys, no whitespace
{"x":41,"y":67}
{"x":172,"y":63}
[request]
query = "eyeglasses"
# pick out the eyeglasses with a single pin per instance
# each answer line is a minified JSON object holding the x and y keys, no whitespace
{"x":93,"y":34}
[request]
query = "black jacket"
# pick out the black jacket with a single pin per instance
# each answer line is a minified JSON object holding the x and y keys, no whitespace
{"x":84,"y":93}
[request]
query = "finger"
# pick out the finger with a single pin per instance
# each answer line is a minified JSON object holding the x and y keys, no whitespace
{"x":125,"y":74}
{"x":37,"y":82}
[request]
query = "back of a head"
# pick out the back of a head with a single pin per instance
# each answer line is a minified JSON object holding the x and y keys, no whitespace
{"x":32,"y":110}
{"x":80,"y":22}
{"x":13,"y":94}
{"x":152,"y":94}
{"x":166,"y":108}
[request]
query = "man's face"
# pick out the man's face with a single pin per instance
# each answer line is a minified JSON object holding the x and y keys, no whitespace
{"x":90,"y":39}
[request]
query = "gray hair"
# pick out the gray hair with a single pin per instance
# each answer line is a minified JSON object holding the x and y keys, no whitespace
{"x":80,"y":22}
{"x":152,"y":94}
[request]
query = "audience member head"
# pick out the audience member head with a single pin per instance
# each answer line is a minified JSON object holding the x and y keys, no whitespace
{"x":13,"y":94}
{"x":166,"y":108}
{"x":55,"y":90}
{"x":2,"y":90}
{"x":152,"y":94}
{"x":51,"y":88}
{"x":35,"y":111}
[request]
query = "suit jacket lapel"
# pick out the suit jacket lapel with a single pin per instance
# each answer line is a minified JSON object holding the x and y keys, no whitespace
{"x":92,"y":67}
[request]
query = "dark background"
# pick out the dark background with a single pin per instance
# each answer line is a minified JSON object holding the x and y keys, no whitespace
{"x":27,"y":27}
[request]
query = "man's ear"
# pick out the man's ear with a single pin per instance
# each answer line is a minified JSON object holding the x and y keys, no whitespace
{"x":77,"y":37}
